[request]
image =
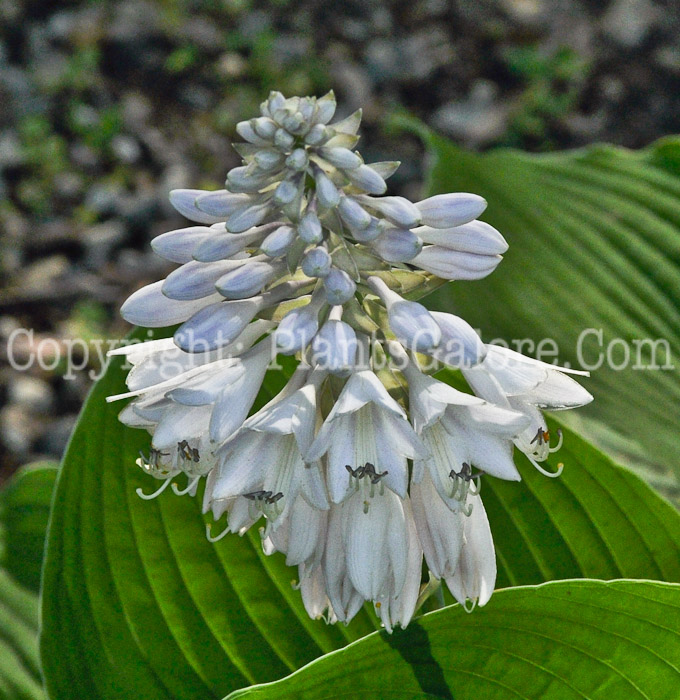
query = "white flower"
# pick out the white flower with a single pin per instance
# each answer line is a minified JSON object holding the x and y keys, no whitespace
{"x":263,"y":462}
{"x":460,"y":431}
{"x":440,"y":529}
{"x":411,"y":322}
{"x":475,"y":575}
{"x":398,"y":606}
{"x":345,"y":599}
{"x":366,"y":426}
{"x":525,"y":385}
{"x":373,"y":553}
{"x":354,"y":488}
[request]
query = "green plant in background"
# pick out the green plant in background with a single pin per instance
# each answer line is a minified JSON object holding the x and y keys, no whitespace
{"x":552,"y":90}
{"x":136,"y":602}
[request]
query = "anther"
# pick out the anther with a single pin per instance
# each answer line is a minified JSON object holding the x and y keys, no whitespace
{"x":187,"y":452}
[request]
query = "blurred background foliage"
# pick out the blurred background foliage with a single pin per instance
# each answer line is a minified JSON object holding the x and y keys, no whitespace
{"x":106,"y":106}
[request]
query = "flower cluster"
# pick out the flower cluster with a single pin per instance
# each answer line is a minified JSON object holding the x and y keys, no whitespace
{"x":364,"y":463}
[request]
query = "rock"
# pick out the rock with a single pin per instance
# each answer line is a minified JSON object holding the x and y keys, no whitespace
{"x":126,"y":149}
{"x":628,"y":22}
{"x":101,"y":240}
{"x":17,"y":430}
{"x":477,"y":120}
{"x":30,"y":393}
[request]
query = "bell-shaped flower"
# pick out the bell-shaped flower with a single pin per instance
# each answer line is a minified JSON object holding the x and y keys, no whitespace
{"x":345,"y":599}
{"x":475,"y":576}
{"x":460,"y":432}
{"x":367,"y":440}
{"x":264,"y":461}
{"x":398,"y":606}
{"x":440,"y":529}
{"x":523,"y":384}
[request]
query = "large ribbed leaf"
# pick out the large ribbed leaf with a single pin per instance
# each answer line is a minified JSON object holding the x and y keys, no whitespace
{"x":24,"y":510}
{"x":597,"y":520}
{"x":138,"y":604}
{"x":594,"y":240}
{"x":136,"y":601}
{"x":571,"y":640}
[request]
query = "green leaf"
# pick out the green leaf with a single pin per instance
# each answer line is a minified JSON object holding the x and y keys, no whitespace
{"x":19,"y":663}
{"x":24,"y":510}
{"x":580,"y":640}
{"x":136,"y":601}
{"x":596,"y":520}
{"x":594,"y":239}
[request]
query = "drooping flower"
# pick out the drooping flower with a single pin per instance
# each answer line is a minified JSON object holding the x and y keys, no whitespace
{"x":513,"y":380}
{"x":366,"y":426}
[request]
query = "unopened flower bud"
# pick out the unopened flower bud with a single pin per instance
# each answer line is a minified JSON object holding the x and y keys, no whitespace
{"x":341,"y":157}
{"x":317,"y":263}
{"x":353,"y":214}
{"x":339,"y":286}
{"x":447,"y":210}
{"x":298,"y":159}
{"x":367,"y":179}
{"x":397,"y":245}
{"x":309,"y":228}
{"x":278,"y":241}
{"x":283,"y":139}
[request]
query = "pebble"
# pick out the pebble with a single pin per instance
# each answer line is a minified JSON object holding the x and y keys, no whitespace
{"x":31,"y":393}
{"x":477,"y":120}
{"x":101,"y":240}
{"x":17,"y":430}
{"x":628,"y":22}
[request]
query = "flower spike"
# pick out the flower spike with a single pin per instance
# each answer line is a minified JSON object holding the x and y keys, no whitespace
{"x":364,"y":463}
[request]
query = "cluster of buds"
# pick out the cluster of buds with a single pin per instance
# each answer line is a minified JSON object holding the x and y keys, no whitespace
{"x":364,"y":463}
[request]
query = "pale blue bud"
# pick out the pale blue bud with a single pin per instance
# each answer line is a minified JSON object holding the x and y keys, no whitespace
{"x":309,"y":228}
{"x":298,"y":159}
{"x":339,"y":286}
{"x":397,"y":245}
{"x":341,"y":157}
{"x":278,"y":241}
{"x":367,"y":179}
{"x":326,"y":192}
{"x":353,"y":214}
{"x":448,"y":210}
{"x":245,"y":281}
{"x":317,"y":263}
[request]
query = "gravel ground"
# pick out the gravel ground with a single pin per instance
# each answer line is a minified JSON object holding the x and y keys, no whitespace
{"x":105,"y":107}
